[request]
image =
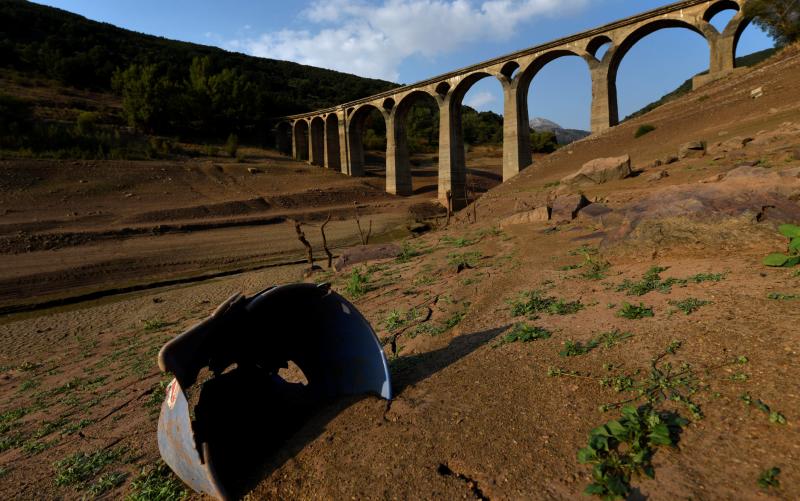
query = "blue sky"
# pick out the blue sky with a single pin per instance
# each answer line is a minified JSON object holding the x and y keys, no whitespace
{"x":410,"y":40}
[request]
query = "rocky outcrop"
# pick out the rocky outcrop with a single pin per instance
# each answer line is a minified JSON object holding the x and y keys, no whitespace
{"x":599,"y":171}
{"x":566,"y":208}
{"x":692,"y":149}
{"x":538,"y":215}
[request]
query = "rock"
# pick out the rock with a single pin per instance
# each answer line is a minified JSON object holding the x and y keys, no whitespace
{"x":757,"y":92}
{"x":670,"y":159}
{"x":658,"y":176}
{"x":748,"y":163}
{"x":595,"y":213}
{"x":732,"y":144}
{"x":713,"y":179}
{"x":419,"y":228}
{"x":656,"y":163}
{"x":692,"y":149}
{"x":540,"y":214}
{"x":566,"y":208}
{"x":796,"y":154}
{"x":253,"y":170}
{"x":363,"y":253}
{"x":600,"y":170}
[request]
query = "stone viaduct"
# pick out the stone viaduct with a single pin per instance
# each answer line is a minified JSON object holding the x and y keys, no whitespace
{"x":333,"y":137}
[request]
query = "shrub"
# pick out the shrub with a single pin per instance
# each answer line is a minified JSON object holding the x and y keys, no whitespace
{"x":644,"y":129}
{"x":232,"y":145}
{"x":543,"y":142}
{"x":779,"y":18}
{"x":87,"y":121}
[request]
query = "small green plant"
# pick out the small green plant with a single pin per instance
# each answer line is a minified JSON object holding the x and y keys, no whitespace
{"x":623,"y":449}
{"x":464,"y":260}
{"x":81,"y":467}
{"x":532,"y":302}
{"x":644,"y":129}
{"x":779,"y":296}
{"x":394,"y":320}
{"x":575,"y":349}
{"x":156,"y":484}
{"x":154,"y":324}
{"x":524,"y":333}
{"x":689,"y":305}
{"x":634,"y":312}
{"x":106,"y":482}
{"x":774,"y":416}
{"x":357,"y":283}
{"x":457,"y":242}
{"x":792,"y":256}
{"x":706,"y":277}
{"x":650,"y":281}
{"x":606,"y":339}
{"x":407,"y":252}
{"x":769,"y":478}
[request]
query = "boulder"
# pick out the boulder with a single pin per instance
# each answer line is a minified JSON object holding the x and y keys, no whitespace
{"x":656,"y":163}
{"x":658,"y":176}
{"x":692,"y":149}
{"x":364,"y":253}
{"x":540,"y":214}
{"x":600,"y":170}
{"x":732,"y":144}
{"x":670,"y":159}
{"x":566,"y":208}
{"x":597,"y":214}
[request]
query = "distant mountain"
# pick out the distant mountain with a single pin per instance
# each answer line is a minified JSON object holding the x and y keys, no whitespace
{"x":563,"y":136}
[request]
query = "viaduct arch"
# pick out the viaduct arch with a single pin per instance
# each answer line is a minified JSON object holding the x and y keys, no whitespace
{"x":333,"y":137}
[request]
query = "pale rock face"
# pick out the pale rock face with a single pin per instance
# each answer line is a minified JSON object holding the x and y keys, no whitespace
{"x":600,"y":170}
{"x":538,"y":215}
{"x":692,"y":149}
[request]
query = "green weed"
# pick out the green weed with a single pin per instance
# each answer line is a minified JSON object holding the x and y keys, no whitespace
{"x":357,"y":283}
{"x":689,"y":305}
{"x":634,"y":312}
{"x":154,"y":324}
{"x":769,"y":478}
{"x":774,"y":416}
{"x":650,"y":281}
{"x":81,"y":467}
{"x":532,"y":302}
{"x":623,"y":449}
{"x":106,"y":482}
{"x":464,"y":260}
{"x":457,"y":242}
{"x":778,"y":296}
{"x":156,"y":484}
{"x":792,"y":256}
{"x":606,"y":339}
{"x":524,"y":333}
{"x":407,"y":252}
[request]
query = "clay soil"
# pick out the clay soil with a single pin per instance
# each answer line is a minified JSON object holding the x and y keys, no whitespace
{"x":473,"y":416}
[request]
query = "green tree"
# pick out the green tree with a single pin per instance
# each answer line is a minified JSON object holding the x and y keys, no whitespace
{"x":779,"y":18}
{"x":146,"y":97}
{"x":543,"y":142}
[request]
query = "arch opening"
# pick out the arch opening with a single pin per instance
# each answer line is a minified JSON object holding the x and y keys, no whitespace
{"x":599,"y":46}
{"x":510,"y":70}
{"x":300,"y":141}
{"x":367,"y":140}
{"x":638,"y":74}
{"x":416,"y":123}
{"x":317,"y":150}
{"x":332,"y":150}
{"x":476,"y":152}
{"x":752,"y":44}
{"x":721,"y":14}
{"x":558,"y":100}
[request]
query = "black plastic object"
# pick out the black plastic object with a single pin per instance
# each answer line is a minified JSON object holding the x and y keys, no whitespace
{"x":247,"y":410}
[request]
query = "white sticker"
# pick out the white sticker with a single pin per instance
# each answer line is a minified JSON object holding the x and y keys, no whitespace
{"x":172,"y":393}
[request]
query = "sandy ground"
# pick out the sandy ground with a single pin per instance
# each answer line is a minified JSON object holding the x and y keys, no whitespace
{"x":474,"y":416}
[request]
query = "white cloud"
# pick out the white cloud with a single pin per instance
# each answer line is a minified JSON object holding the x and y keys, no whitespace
{"x":372,"y":40}
{"x":480,"y":100}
